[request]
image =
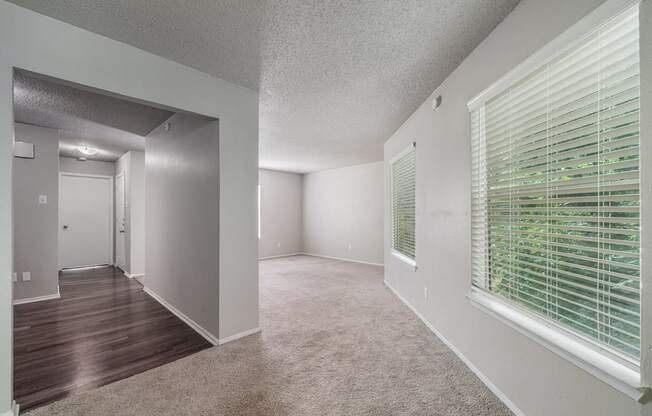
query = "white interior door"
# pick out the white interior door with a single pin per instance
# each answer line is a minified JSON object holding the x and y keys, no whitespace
{"x":85,"y":220}
{"x":120,"y":257}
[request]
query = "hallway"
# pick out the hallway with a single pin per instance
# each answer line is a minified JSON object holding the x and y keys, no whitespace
{"x":103,"y":328}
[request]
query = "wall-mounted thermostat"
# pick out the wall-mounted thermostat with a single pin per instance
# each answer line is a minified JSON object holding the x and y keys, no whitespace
{"x":24,"y":150}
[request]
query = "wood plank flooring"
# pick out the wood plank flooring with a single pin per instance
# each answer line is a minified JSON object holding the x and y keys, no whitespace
{"x":103,"y":329}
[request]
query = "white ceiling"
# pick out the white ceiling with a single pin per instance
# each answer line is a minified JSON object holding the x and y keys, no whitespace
{"x":336,"y":77}
{"x":111,"y":125}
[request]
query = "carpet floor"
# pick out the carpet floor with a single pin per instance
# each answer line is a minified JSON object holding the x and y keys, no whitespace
{"x":334,"y":341}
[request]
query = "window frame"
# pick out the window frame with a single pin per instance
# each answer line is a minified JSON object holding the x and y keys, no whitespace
{"x":258,"y":190}
{"x":393,"y":251}
{"x":632,"y":379}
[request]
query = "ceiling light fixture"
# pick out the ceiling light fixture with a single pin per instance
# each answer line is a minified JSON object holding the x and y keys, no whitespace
{"x":88,"y":151}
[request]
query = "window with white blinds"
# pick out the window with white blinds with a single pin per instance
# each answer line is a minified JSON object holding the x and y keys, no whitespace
{"x":403,"y":170}
{"x":555,"y":189}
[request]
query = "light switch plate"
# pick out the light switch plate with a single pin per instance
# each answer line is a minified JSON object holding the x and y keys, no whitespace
{"x":14,"y":277}
{"x":42,"y":199}
{"x":27,"y":276}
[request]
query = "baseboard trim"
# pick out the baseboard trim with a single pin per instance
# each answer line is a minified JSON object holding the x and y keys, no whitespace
{"x":501,"y":396}
{"x":15,"y":409}
{"x":239,"y":335}
{"x":38,"y":298}
{"x":194,"y":325}
{"x":341,"y":259}
{"x":280,"y":256}
{"x":131,"y":276}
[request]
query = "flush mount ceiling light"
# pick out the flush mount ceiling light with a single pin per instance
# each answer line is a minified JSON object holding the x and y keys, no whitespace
{"x":88,"y":151}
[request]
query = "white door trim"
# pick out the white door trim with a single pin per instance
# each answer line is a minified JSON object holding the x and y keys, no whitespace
{"x":111,"y":210}
{"x":115,"y":229}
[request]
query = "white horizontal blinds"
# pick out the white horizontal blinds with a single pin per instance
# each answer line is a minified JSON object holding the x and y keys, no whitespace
{"x":479,"y":220}
{"x":403,"y":203}
{"x":556,"y":189}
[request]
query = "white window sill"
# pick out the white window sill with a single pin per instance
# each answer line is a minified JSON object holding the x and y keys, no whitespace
{"x":616,"y":374}
{"x":404,"y":259}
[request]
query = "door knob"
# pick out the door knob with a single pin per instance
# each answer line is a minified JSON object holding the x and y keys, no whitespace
{"x":65,"y":227}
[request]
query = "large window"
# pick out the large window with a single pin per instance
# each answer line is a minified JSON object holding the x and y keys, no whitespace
{"x":403,"y":171}
{"x":555,"y":189}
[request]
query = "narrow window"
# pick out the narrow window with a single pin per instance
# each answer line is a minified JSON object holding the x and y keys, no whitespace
{"x":403,"y":177}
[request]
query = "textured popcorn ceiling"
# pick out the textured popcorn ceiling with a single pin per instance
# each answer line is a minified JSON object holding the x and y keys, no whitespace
{"x":112,"y":125}
{"x":336,"y":78}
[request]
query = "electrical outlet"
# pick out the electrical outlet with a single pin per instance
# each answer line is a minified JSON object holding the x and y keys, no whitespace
{"x":425,"y":293}
{"x":349,"y":247}
{"x":14,"y":277}
{"x":278,"y":244}
{"x":27,"y":276}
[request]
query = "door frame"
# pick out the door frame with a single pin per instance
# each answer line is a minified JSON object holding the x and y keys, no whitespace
{"x":111,"y":213}
{"x":116,"y":225}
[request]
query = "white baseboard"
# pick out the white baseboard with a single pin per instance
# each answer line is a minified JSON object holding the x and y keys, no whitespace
{"x":239,"y":335}
{"x":131,"y":276}
{"x":279,"y":256}
{"x":38,"y":298}
{"x":341,"y":259}
{"x":15,"y":409}
{"x":478,"y":373}
{"x":194,"y":325}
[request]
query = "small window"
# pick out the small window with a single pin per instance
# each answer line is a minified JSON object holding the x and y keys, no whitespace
{"x":403,"y":204}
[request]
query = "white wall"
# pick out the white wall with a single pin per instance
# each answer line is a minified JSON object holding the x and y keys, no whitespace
{"x":66,"y":52}
{"x":36,"y":226}
{"x":89,"y":167}
{"x":343,"y":213}
{"x":646,"y":163}
{"x":281,"y":213}
{"x":537,"y":381}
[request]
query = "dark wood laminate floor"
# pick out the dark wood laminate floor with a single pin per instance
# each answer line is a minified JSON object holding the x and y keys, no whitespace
{"x":103,"y":329}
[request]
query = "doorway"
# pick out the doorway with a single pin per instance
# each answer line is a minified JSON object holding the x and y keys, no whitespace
{"x":79,"y":189}
{"x":85,"y":220}
{"x":120,"y":244}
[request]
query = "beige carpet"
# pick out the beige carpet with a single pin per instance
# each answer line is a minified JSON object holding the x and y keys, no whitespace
{"x":335,"y":341}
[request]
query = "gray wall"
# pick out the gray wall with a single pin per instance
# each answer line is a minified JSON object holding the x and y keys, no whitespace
{"x":61,"y":50}
{"x":343,"y":213}
{"x":536,"y":380}
{"x":281,"y":217}
{"x":36,"y":226}
{"x":182,"y":203}
{"x":89,"y":167}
